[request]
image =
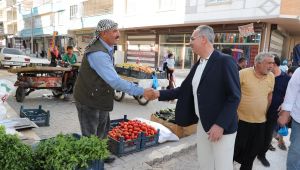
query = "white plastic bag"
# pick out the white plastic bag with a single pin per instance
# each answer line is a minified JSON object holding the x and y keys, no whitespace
{"x":6,"y":87}
{"x":2,"y":112}
{"x":164,"y":133}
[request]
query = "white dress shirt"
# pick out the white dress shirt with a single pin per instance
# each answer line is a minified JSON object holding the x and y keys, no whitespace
{"x":196,"y":81}
{"x":292,"y":96}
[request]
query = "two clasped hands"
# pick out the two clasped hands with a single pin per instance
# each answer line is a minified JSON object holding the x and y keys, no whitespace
{"x":150,"y":94}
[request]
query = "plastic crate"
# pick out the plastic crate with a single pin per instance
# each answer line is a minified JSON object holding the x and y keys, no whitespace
{"x":122,"y":147}
{"x":39,"y":116}
{"x":149,"y":141}
{"x":140,"y":75}
{"x":114,"y":123}
{"x":123,"y":71}
{"x":94,"y":165}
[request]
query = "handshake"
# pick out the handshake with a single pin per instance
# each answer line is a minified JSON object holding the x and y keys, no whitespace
{"x":150,"y":94}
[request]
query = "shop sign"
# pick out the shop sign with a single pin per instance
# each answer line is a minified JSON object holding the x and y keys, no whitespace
{"x":246,"y":30}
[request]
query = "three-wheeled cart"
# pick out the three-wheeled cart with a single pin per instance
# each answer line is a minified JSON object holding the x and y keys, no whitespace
{"x":30,"y":79}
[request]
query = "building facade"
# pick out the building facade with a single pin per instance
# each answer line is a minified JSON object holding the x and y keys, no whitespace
{"x":150,"y":28}
{"x":161,"y":25}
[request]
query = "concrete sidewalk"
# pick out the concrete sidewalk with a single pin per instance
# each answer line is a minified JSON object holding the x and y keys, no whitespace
{"x":147,"y":158}
{"x":182,"y":155}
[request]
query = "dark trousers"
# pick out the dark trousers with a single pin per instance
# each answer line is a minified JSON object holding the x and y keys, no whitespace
{"x":93,"y":121}
{"x":170,"y":78}
{"x":271,"y":125}
{"x":248,"y":142}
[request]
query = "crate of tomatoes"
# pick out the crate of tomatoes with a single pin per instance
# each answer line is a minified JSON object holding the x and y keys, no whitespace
{"x":130,"y":136}
{"x":149,"y":138}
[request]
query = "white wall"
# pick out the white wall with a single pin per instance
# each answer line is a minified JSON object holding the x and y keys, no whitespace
{"x":233,"y":10}
{"x":142,"y":13}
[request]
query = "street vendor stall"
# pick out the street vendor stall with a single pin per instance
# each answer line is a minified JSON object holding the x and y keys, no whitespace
{"x":30,"y":79}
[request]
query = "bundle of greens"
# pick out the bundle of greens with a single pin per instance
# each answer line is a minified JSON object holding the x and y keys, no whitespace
{"x":166,"y":114}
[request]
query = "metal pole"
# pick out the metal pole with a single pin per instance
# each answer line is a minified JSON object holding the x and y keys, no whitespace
{"x":31,"y":32}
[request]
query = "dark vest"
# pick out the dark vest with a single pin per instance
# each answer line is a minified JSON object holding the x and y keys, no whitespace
{"x":90,"y":89}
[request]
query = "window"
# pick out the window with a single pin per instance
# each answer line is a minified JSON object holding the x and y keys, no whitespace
{"x":166,"y":5}
{"x":60,"y":16}
{"x":131,"y":7}
{"x":73,"y":11}
{"x":214,"y":2}
{"x":12,"y":51}
{"x":97,"y":7}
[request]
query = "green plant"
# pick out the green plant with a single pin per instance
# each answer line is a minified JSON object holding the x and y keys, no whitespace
{"x":90,"y":148}
{"x":64,"y":152}
{"x":14,"y":155}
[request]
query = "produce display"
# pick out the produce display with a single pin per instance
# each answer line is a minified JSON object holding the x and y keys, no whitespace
{"x":166,"y":114}
{"x":136,"y":67}
{"x":130,"y":130}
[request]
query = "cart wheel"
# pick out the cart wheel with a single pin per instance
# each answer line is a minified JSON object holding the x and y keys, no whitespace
{"x":118,"y":96}
{"x":20,"y":94}
{"x":56,"y":93}
{"x":141,"y":100}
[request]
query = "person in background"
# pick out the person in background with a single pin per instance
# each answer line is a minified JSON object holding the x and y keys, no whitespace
{"x":281,"y":82}
{"x":55,"y":56}
{"x":227,"y":51}
{"x":278,"y":137}
{"x":170,"y":70}
{"x":242,"y":63}
{"x":68,"y":58}
{"x":43,"y":53}
{"x":284,"y":66}
{"x":97,"y":80}
{"x":257,"y":85}
{"x":296,"y":55}
{"x":291,"y":70}
{"x":165,"y":67}
{"x":290,"y":111}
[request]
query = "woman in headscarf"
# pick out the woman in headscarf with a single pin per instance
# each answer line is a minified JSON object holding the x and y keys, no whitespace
{"x":55,"y":56}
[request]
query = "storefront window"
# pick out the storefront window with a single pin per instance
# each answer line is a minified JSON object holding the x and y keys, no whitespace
{"x":179,"y":46}
{"x":241,"y":46}
{"x":235,"y":38}
{"x":175,"y":49}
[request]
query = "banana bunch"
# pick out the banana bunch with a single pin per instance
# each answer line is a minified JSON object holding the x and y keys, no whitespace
{"x":136,"y":67}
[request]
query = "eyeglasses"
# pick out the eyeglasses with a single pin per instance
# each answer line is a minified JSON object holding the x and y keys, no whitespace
{"x":193,"y":38}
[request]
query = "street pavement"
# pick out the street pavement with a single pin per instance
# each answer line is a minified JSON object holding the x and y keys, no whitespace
{"x":179,"y":155}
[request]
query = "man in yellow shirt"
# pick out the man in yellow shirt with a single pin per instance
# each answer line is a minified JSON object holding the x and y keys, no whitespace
{"x":257,"y":85}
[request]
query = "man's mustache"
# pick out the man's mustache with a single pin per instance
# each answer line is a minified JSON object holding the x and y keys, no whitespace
{"x":117,"y":37}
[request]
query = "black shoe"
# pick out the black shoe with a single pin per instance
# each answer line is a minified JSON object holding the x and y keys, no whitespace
{"x":109,"y":159}
{"x":264,"y":161}
{"x":271,"y":148}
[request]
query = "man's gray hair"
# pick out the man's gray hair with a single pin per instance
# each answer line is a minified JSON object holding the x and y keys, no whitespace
{"x":261,"y":56}
{"x":206,"y":31}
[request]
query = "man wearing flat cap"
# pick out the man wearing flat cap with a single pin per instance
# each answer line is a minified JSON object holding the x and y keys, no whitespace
{"x":97,"y":79}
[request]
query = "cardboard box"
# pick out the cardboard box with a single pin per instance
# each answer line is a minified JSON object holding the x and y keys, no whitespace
{"x":176,"y":129}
